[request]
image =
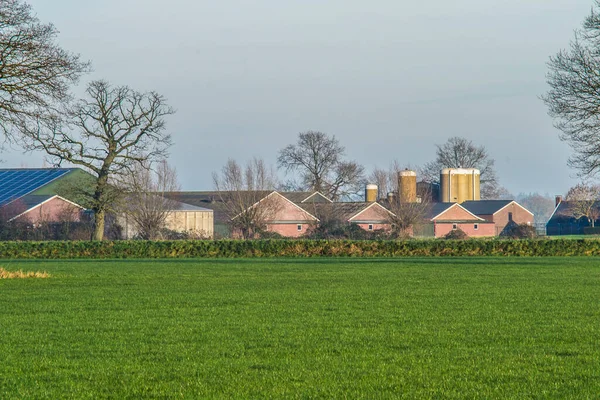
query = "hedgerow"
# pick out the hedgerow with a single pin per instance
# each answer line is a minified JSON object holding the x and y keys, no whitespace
{"x":296,"y":248}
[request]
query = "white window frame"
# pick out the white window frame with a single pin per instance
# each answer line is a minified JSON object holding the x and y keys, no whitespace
{"x":299,"y":227}
{"x":475,"y":227}
{"x":370,"y":227}
{"x":454,"y":227}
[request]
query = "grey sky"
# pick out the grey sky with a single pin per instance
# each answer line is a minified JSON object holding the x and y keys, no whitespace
{"x":389,"y":78}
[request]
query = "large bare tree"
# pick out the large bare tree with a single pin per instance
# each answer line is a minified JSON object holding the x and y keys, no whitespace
{"x":459,"y":152}
{"x":583,"y":200}
{"x":540,"y":205}
{"x":244,"y":191}
{"x":146,"y":205}
{"x":318,"y":159}
{"x":405,"y":216}
{"x":35,"y":73}
{"x":107,"y":133}
{"x":573,"y":99}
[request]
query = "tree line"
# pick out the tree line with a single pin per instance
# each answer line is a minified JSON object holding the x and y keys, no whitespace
{"x":116,"y":133}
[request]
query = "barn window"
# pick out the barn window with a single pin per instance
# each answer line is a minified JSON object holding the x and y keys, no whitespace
{"x":475,"y":226}
{"x":370,"y":227}
{"x":299,"y":227}
{"x":454,"y":227}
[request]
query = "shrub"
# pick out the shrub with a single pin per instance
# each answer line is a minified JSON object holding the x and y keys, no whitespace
{"x":519,"y":231}
{"x":456,"y":234}
{"x":296,"y":248}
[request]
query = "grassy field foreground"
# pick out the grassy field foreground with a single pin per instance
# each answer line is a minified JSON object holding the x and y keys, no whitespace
{"x":444,"y":328}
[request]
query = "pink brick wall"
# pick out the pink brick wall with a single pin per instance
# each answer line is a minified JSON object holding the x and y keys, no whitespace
{"x":483,"y":229}
{"x":289,"y":230}
{"x":54,"y":210}
{"x":519,"y":216}
{"x":455,"y":213}
{"x":385,"y":227}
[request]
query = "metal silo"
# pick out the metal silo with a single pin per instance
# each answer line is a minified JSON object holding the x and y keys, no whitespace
{"x":407,"y":186}
{"x":459,"y":185}
{"x":371,"y":193}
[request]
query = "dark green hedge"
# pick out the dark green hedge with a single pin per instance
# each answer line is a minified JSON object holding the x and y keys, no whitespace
{"x":297,"y":248}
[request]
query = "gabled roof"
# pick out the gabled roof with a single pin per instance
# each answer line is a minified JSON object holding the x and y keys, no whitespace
{"x":564,"y":212}
{"x":26,"y":203}
{"x":18,"y":182}
{"x":485,"y":207}
{"x":344,"y":211}
{"x":281,"y":196}
{"x":489,"y":207}
{"x":435,"y":210}
{"x":212,"y":200}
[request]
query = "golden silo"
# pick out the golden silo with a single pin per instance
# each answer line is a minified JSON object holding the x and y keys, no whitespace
{"x":459,"y":184}
{"x":407,"y":186}
{"x":371,"y":193}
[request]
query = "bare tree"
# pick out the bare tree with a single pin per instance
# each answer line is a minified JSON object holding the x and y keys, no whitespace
{"x":244,"y":190}
{"x":573,"y":99}
{"x":459,"y":152}
{"x":146,"y":205}
{"x":387,"y":180}
{"x":406,"y":215}
{"x":107,"y":134}
{"x":317,"y":157}
{"x":540,"y":205}
{"x":35,"y":73}
{"x":582,"y":200}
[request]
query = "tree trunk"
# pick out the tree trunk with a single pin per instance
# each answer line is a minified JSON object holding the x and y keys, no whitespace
{"x":98,"y":233}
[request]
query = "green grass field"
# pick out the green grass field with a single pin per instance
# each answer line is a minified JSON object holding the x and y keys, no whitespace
{"x":320,"y":328}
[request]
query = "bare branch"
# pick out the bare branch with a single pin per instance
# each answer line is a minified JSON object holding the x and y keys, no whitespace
{"x":109,"y":133}
{"x":35,"y":73}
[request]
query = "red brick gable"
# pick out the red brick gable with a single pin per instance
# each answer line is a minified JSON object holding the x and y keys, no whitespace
{"x":455,"y":213}
{"x":287,"y":211}
{"x":373,"y":213}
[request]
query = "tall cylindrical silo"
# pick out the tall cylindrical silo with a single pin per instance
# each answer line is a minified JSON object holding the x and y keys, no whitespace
{"x":371,"y":193}
{"x":407,"y":186}
{"x":459,"y":184}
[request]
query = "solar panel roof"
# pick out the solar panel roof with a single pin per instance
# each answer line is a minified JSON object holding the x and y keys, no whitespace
{"x":15,"y":183}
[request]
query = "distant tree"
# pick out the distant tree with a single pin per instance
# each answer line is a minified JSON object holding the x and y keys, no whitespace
{"x":387,"y":179}
{"x":146,"y":205}
{"x":107,"y":134}
{"x":540,"y":205}
{"x":317,"y":158}
{"x":582,"y":199}
{"x":573,"y":99}
{"x":459,"y":152}
{"x":35,"y":73}
{"x":244,"y":190}
{"x":405,"y":216}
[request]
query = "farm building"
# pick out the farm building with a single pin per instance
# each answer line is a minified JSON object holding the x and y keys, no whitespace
{"x":30,"y":194}
{"x":447,"y":217}
{"x":502,"y":213}
{"x":564,"y":221}
{"x":197,"y":222}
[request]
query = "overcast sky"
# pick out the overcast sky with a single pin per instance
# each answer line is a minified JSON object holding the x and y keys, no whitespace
{"x":390,"y":79}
